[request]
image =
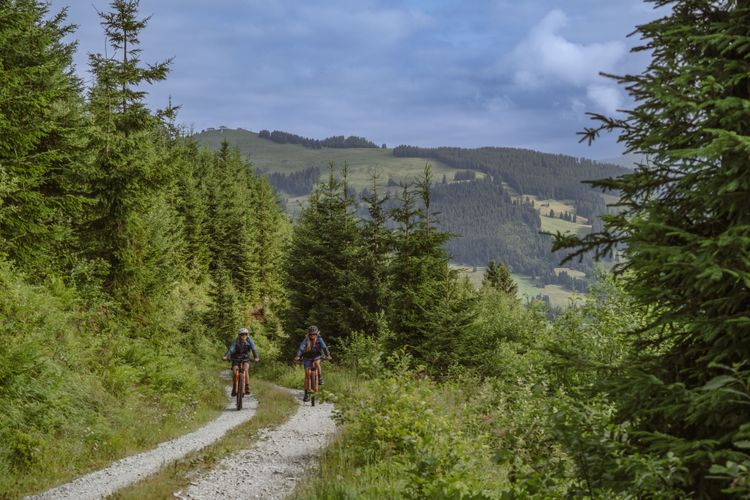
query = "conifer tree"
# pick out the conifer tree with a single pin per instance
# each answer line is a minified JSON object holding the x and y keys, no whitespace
{"x":42,"y":138}
{"x":322,"y":270}
{"x":686,"y":230}
{"x":133,"y":176}
{"x":498,"y":277}
{"x":376,"y":250}
{"x":271,"y":233}
{"x":232,"y":234}
{"x":418,"y":270}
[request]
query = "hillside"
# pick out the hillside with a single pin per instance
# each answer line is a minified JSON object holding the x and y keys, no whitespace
{"x":268,"y":156}
{"x":495,"y":201}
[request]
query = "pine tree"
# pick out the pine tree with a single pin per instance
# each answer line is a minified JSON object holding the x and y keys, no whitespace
{"x":42,"y":138}
{"x":232,"y":235}
{"x":272,"y":231}
{"x":686,"y":230}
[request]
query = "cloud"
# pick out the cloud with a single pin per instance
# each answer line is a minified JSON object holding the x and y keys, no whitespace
{"x":544,"y":58}
{"x":608,"y":98}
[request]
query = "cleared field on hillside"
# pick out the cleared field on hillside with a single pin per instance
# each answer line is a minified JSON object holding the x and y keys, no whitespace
{"x":558,"y":296}
{"x":284,"y":158}
{"x":553,"y":225}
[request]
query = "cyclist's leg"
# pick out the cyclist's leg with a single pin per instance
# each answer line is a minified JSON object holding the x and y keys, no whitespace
{"x":246,"y":366}
{"x":320,"y":372}
{"x":316,"y":382}
{"x":235,"y":377}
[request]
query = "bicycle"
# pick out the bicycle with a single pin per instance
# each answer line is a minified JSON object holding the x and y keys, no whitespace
{"x":241,"y":382}
{"x":312,"y":378}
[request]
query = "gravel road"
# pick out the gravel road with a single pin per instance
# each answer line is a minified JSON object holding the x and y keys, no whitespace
{"x":136,"y":467}
{"x":271,"y":469}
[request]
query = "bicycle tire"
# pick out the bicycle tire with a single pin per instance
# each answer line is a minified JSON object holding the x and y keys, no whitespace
{"x":240,"y":389}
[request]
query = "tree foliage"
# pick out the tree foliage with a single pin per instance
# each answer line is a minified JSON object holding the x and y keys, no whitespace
{"x":686,"y":230}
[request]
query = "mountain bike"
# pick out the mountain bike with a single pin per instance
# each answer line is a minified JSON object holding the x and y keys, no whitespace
{"x":241,"y":382}
{"x":312,"y":378}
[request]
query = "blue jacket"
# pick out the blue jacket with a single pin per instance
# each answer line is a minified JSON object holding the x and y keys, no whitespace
{"x":315,"y":351}
{"x":236,"y":351}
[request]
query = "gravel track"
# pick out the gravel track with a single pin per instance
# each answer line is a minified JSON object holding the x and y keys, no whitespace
{"x":137,"y":467}
{"x":272,"y":468}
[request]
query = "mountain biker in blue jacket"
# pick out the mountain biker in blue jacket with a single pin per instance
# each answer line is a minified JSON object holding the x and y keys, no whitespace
{"x":239,"y":353}
{"x":311,"y":349}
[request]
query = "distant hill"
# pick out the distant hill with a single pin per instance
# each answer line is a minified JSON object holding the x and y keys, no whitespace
{"x":495,"y":200}
{"x":269,"y":156}
{"x":628,"y":161}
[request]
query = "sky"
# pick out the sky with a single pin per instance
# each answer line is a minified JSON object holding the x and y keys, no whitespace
{"x":466,"y":73}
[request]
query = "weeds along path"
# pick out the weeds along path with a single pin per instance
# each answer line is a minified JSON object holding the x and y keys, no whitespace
{"x":272,"y":468}
{"x":136,"y":467}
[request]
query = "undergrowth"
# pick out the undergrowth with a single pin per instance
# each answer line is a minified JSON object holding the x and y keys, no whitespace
{"x":81,"y":387}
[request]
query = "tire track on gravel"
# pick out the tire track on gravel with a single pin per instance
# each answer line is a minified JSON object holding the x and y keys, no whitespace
{"x":271,"y":468}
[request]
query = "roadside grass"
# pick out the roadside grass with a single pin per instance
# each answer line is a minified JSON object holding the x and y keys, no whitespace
{"x":338,"y":380}
{"x":130,"y":425}
{"x":81,"y":386}
{"x":274,"y":407}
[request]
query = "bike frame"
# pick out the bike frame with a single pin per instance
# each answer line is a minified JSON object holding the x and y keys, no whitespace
{"x":238,"y":381}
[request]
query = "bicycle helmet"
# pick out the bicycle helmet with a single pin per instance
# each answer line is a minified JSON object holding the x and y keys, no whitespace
{"x":313,"y":330}
{"x":244,"y":331}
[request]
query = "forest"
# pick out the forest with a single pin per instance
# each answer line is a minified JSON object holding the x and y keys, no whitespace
{"x":130,"y":255}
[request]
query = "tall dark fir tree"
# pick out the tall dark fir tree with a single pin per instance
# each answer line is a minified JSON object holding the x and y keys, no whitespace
{"x":685,"y":228}
{"x":43,"y":157}
{"x":135,"y":228}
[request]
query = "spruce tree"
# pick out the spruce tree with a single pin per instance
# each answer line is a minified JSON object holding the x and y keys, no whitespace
{"x":376,"y":251}
{"x":322,"y":269}
{"x":232,"y":235}
{"x":497,"y":276}
{"x":271,"y":230}
{"x":42,"y":138}
{"x":685,"y":228}
{"x":133,"y":177}
{"x":418,"y":270}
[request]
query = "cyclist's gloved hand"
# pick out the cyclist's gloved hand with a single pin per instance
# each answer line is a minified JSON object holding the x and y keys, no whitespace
{"x":257,"y":360}
{"x":296,"y":358}
{"x":226,"y":358}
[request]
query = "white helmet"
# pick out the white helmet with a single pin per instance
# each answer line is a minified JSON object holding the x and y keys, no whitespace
{"x":244,"y":331}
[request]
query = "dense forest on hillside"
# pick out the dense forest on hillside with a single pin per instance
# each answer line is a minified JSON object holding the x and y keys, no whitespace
{"x":336,"y":141}
{"x":297,"y":183}
{"x":530,"y":172}
{"x":490,"y":225}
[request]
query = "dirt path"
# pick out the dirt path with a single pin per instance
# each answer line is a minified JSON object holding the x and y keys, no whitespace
{"x":272,"y":468}
{"x":136,"y":467}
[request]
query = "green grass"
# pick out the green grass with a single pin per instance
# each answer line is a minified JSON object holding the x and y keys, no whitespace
{"x":553,"y":225}
{"x":527,"y":289}
{"x":275,"y":406}
{"x":272,"y":157}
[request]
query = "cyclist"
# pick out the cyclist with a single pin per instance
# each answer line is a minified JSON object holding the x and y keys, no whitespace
{"x":311,"y":349}
{"x":239,"y":353}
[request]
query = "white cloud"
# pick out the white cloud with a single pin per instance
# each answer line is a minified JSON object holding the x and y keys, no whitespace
{"x":607,"y":97}
{"x":547,"y":59}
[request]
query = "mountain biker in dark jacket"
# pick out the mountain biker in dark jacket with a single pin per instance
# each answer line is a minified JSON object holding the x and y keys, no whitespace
{"x":239,"y":353}
{"x":311,"y":349}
